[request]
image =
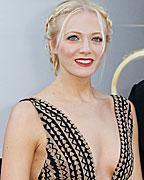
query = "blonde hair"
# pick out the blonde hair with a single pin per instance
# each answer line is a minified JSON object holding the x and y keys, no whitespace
{"x":66,"y":9}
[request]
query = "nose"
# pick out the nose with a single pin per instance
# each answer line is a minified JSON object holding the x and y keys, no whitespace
{"x":85,"y":47}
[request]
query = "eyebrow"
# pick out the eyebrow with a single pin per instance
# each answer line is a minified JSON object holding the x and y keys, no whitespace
{"x":76,"y":32}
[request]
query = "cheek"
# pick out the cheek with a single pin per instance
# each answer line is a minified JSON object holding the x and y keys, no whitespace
{"x":67,"y":50}
{"x":98,"y":50}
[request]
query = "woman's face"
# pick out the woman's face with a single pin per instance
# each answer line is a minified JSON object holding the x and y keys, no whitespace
{"x":81,"y":45}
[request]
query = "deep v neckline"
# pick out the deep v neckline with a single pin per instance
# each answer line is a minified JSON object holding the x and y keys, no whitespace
{"x":68,"y":119}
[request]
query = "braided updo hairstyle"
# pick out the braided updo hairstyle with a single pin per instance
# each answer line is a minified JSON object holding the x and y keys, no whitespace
{"x":65,"y":10}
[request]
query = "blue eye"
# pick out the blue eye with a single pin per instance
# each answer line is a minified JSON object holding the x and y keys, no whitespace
{"x":73,"y":38}
{"x":97,"y":39}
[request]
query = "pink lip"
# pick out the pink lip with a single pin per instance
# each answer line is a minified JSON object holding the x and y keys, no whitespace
{"x":82,"y":64}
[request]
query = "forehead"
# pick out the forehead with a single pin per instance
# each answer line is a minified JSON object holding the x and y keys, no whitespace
{"x":83,"y":21}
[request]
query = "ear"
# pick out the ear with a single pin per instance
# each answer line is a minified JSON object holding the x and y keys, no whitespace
{"x":52,"y":46}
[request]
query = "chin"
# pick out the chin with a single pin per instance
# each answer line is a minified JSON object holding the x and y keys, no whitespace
{"x":82,"y":74}
{"x":78,"y":72}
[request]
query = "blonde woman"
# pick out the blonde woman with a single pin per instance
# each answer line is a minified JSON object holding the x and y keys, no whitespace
{"x":69,"y":130}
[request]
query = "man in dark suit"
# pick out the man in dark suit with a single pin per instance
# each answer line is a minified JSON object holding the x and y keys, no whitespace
{"x":137,"y":98}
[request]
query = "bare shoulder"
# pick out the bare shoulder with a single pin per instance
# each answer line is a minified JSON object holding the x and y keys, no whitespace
{"x":23,"y":113}
{"x":132,"y":106}
{"x":23,"y":108}
{"x":24,"y":120}
{"x":133,"y":114}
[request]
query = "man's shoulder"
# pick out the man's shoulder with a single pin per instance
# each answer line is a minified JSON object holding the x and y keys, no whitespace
{"x":137,"y":94}
{"x":139,"y":88}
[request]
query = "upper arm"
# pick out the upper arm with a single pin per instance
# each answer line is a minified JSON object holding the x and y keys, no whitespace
{"x":137,"y":174}
{"x":20,"y":142}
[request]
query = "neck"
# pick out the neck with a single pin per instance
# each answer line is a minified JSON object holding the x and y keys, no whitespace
{"x":73,"y":87}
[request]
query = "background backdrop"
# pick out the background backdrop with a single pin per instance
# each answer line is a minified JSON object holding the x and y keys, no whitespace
{"x":24,"y":61}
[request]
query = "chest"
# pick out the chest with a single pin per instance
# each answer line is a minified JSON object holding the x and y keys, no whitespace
{"x":80,"y":138}
{"x":100,"y":129}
